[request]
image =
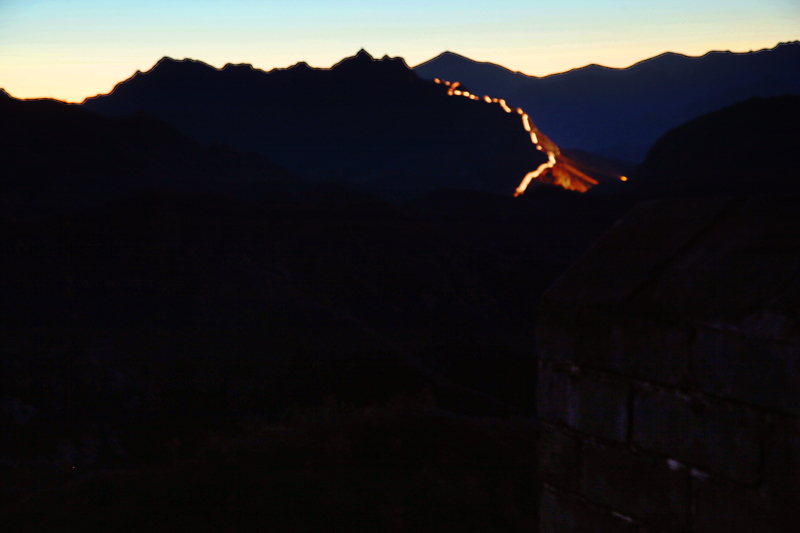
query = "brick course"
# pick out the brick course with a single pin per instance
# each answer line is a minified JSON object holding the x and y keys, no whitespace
{"x":719,"y":438}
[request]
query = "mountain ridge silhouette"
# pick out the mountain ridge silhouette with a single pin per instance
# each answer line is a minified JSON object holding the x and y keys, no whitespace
{"x":620,"y":112}
{"x":371,"y":124}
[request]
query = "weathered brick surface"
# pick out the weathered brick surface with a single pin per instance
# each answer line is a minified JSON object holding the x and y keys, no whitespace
{"x":721,"y":506}
{"x":646,"y":237}
{"x":558,"y":458}
{"x":720,"y":438}
{"x":751,"y":370}
{"x":598,"y":405}
{"x":649,"y":351}
{"x":782,"y":463}
{"x":696,"y":295}
{"x":561,"y":513}
{"x":636,"y":484}
{"x":741,"y":262}
{"x":552,"y":388}
{"x":554,"y":343}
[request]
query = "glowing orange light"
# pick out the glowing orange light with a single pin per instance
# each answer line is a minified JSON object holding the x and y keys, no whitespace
{"x":561,"y":171}
{"x":623,"y":178}
{"x":436,"y":80}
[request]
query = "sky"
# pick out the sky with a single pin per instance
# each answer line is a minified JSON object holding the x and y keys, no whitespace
{"x":72,"y":49}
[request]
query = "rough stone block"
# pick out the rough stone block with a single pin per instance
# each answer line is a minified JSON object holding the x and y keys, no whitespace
{"x":724,"y":506}
{"x":561,"y":513}
{"x":650,"y":489}
{"x":748,"y":369}
{"x":552,"y":388}
{"x":558,"y":458}
{"x":782,"y":462}
{"x":649,"y":351}
{"x":744,"y":259}
{"x":645,"y":238}
{"x":554,"y":343}
{"x":598,"y":405}
{"x":716,"y":437}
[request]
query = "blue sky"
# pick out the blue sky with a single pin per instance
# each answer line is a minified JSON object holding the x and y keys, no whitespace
{"x":70,"y":49}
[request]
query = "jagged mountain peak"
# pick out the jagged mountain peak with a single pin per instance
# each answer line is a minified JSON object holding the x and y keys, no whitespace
{"x":363,"y":54}
{"x":169,"y":62}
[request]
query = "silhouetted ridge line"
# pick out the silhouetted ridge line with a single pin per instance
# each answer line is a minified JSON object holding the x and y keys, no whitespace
{"x":619,"y":113}
{"x":747,"y":148}
{"x":368,"y":123}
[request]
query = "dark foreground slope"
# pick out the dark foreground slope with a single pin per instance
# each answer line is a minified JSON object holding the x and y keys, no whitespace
{"x":168,"y":326}
{"x":750,"y":147}
{"x":156,"y":314}
{"x":368,"y":123}
{"x":621,"y":112}
{"x":56,"y":157}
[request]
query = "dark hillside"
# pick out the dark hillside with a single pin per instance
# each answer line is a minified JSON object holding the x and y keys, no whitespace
{"x":372,"y":124}
{"x":747,"y":148}
{"x":621,"y":112}
{"x":57,"y":156}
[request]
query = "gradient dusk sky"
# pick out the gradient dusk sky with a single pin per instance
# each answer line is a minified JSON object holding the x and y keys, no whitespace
{"x":71,"y":49}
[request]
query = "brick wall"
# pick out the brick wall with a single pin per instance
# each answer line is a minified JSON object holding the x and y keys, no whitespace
{"x":665,"y":414}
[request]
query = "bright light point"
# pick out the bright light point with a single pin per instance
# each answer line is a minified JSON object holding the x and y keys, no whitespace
{"x":487,"y":99}
{"x":436,"y":80}
{"x":519,"y":111}
{"x":623,"y":178}
{"x":457,"y":93}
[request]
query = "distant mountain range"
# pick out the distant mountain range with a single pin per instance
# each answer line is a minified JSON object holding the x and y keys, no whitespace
{"x":371,"y":124}
{"x":620,"y":113}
